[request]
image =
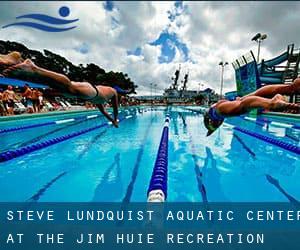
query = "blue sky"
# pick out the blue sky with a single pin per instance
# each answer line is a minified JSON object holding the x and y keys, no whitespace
{"x":108,"y":5}
{"x":168,"y":41}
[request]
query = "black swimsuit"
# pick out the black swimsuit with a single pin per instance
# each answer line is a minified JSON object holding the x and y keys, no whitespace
{"x":97,"y":93}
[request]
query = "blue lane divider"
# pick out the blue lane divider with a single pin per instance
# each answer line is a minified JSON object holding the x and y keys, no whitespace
{"x":287,"y":146}
{"x":11,"y":154}
{"x":6,"y":130}
{"x":157,"y":191}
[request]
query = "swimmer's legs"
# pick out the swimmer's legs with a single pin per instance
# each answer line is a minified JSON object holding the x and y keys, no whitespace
{"x":250,"y":102}
{"x":282,"y":89}
{"x":29,"y":66}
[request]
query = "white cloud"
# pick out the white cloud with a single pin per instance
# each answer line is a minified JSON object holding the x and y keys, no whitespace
{"x":212,"y":31}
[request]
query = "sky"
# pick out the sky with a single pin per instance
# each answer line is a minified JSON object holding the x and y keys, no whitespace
{"x":148,"y":40}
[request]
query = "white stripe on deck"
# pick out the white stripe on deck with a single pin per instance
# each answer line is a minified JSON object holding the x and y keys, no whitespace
{"x":65,"y":121}
{"x":91,"y":116}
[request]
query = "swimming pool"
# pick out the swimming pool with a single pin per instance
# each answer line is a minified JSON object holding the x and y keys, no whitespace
{"x":115,"y":165}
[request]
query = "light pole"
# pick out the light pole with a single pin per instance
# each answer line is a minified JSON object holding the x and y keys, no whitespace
{"x":155,"y":85}
{"x":222,"y":64}
{"x":151,"y":86}
{"x":259,"y":38}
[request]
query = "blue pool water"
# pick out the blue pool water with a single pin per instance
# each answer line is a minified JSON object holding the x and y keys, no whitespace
{"x":110,"y":164}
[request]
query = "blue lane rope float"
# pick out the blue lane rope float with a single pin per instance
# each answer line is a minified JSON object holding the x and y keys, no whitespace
{"x":58,"y":122}
{"x":157,"y":191}
{"x":11,"y":154}
{"x":197,"y":167}
{"x":287,"y":146}
{"x":42,"y":136}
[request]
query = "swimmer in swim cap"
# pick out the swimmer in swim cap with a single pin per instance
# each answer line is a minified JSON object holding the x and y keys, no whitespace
{"x":268,"y":97}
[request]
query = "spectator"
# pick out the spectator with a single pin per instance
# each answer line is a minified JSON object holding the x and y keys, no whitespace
{"x":27,"y":95}
{"x":9,"y":98}
{"x":41,"y":100}
{"x":3,"y":110}
{"x":35,"y":100}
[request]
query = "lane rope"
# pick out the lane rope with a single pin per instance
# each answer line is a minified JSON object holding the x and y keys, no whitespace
{"x":11,"y":154}
{"x":158,"y":186}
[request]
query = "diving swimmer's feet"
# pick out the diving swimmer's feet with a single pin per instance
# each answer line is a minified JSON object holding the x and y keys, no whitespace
{"x":27,"y":66}
{"x":279,"y":104}
{"x":10,"y":59}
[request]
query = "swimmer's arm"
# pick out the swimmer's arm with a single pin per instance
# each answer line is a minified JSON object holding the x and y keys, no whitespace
{"x":115,"y":105}
{"x":104,"y":112}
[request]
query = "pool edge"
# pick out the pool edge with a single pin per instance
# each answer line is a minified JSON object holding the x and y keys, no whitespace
{"x":46,"y":114}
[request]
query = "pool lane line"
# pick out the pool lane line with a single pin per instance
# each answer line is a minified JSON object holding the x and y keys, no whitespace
{"x":40,"y":192}
{"x":40,"y":137}
{"x":11,"y":154}
{"x":88,"y":145}
{"x":259,"y":122}
{"x":158,"y":186}
{"x":280,"y":124}
{"x":251,"y":119}
{"x":244,"y":145}
{"x":197,"y":167}
{"x":263,"y":121}
{"x":276,"y":184}
{"x":37,"y":196}
{"x":276,"y":142}
{"x":94,"y":140}
{"x":57,"y":122}
{"x":104,"y":179}
{"x":136,"y":167}
{"x":193,"y":110}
